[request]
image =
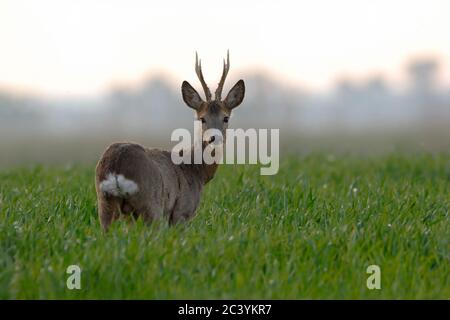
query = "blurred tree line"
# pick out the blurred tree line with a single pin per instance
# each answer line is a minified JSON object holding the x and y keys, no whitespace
{"x":155,"y":106}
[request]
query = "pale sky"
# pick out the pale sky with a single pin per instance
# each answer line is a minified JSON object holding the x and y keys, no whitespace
{"x":59,"y":48}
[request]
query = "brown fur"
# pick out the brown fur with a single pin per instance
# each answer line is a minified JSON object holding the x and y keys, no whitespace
{"x":165,"y":189}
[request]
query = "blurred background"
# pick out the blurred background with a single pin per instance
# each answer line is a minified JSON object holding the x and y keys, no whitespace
{"x":339,"y":76}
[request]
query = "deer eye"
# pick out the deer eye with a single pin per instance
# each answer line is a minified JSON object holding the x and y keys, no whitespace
{"x":226,"y":119}
{"x":202,"y":120}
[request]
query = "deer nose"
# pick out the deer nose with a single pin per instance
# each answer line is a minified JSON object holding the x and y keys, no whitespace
{"x":215,"y":139}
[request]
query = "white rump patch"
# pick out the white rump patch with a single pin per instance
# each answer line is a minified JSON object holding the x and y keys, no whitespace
{"x":119,"y":186}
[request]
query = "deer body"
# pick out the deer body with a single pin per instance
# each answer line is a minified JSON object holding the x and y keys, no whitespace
{"x":134,"y":180}
{"x":131,"y":179}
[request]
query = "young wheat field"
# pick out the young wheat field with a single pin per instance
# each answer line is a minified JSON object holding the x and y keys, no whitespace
{"x":310,"y":231}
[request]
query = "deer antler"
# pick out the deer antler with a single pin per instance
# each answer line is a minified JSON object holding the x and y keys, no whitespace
{"x":226,"y":68}
{"x":198,"y":70}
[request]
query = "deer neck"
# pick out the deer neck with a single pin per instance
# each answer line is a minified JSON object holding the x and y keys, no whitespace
{"x":202,"y":171}
{"x":208,"y":171}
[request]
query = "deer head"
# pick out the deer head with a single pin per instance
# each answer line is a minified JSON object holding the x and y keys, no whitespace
{"x":214,"y":114}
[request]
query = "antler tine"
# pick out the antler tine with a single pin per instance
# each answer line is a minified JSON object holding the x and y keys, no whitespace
{"x":198,"y":70}
{"x":226,"y":68}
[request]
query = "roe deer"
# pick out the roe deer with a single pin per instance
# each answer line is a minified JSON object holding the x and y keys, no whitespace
{"x":133,"y":180}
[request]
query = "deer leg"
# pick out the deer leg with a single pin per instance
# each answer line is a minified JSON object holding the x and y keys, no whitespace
{"x":150,"y":213}
{"x":179,"y":217}
{"x":108,"y":210}
{"x":176,"y":220}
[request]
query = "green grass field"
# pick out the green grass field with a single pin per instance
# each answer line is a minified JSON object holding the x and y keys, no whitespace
{"x":308,"y":232}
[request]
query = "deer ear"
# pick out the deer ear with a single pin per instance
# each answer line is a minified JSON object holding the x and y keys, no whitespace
{"x":190,"y":96}
{"x":236,"y":95}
